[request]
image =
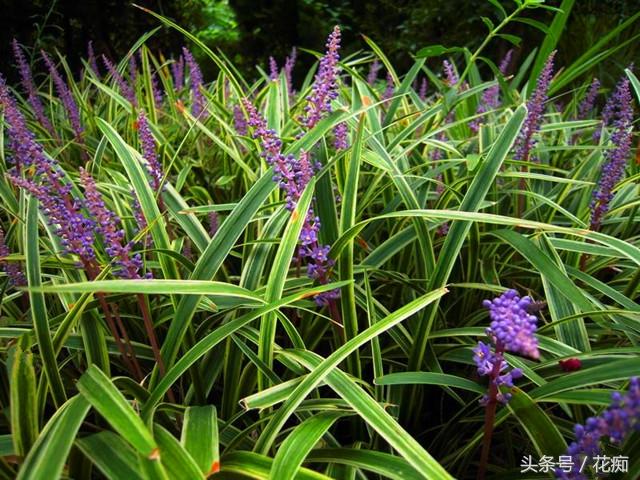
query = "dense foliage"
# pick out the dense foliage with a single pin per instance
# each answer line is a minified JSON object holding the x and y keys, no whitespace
{"x":356,"y":272}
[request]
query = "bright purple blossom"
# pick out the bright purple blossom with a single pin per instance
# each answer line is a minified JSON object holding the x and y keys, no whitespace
{"x":512,"y":326}
{"x":292,"y":176}
{"x":13,"y":271}
{"x":340,"y":136}
{"x":616,"y":157}
{"x":588,"y":102}
{"x":374,"y":68}
{"x":325,"y":84}
{"x":535,"y":108}
{"x":197,"y":84}
{"x":149,"y":153}
{"x":620,"y":419}
{"x":125,"y":88}
{"x":177,"y":70}
{"x":27,"y":83}
{"x":141,"y":221}
{"x":70,"y":105}
{"x":493,"y":365}
{"x":450,"y":74}
{"x":107,"y":224}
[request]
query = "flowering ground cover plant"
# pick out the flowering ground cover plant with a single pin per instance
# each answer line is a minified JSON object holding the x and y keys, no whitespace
{"x":352,"y":273}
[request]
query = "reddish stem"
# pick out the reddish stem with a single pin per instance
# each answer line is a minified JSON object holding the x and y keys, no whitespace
{"x":490,"y":412}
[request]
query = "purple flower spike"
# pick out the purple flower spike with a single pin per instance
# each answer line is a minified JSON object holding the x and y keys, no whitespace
{"x":340,"y":133}
{"x":197,"y":84}
{"x":374,"y":68}
{"x":149,"y":153}
{"x":325,"y":86}
{"x":450,"y":74}
{"x":93,"y":63}
{"x":15,"y":275}
{"x":289,"y":63}
{"x":512,"y":326}
{"x":292,"y":176}
{"x":535,"y":108}
{"x":273,"y":69}
{"x":156,"y":91}
{"x":491,"y":97}
{"x":30,"y":88}
{"x":620,"y":419}
{"x":214,"y":221}
{"x":422,"y":93}
{"x":26,"y":151}
{"x":239,"y":120}
{"x":588,"y":102}
{"x":177,"y":70}
{"x":108,"y":226}
{"x":615,"y":158}
{"x":73,"y":113}
{"x":124,"y":87}
{"x":389,"y":89}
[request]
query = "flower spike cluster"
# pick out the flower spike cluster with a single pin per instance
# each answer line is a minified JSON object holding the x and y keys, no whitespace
{"x":325,"y":87}
{"x":289,"y":63}
{"x":197,"y":84}
{"x":588,"y":102}
{"x":107,"y":224}
{"x":29,"y":87}
{"x":65,"y":95}
{"x":535,"y":108}
{"x":177,"y":71}
{"x":149,"y":152}
{"x":621,"y":113}
{"x":125,"y":88}
{"x":512,"y":329}
{"x":93,"y":63}
{"x":620,"y":419}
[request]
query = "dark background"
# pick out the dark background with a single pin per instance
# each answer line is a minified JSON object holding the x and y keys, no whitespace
{"x":248,"y":31}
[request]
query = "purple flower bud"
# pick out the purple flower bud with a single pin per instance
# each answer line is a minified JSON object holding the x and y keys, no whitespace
{"x":239,"y":120}
{"x":149,"y":153}
{"x":535,"y":109}
{"x":273,"y":69}
{"x":156,"y":91}
{"x":198,"y":108}
{"x":620,"y":419}
{"x":124,"y":87}
{"x":73,"y":113}
{"x":107,"y":224}
{"x":450,"y":74}
{"x":13,"y":271}
{"x":588,"y":102}
{"x":491,"y":97}
{"x":325,"y":85}
{"x":30,"y":88}
{"x":389,"y":88}
{"x":92,"y":58}
{"x":621,"y":113}
{"x":512,"y":326}
{"x":177,"y":70}
{"x":422,"y":93}
{"x":340,"y":133}
{"x":289,"y":63}
{"x":372,"y":76}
